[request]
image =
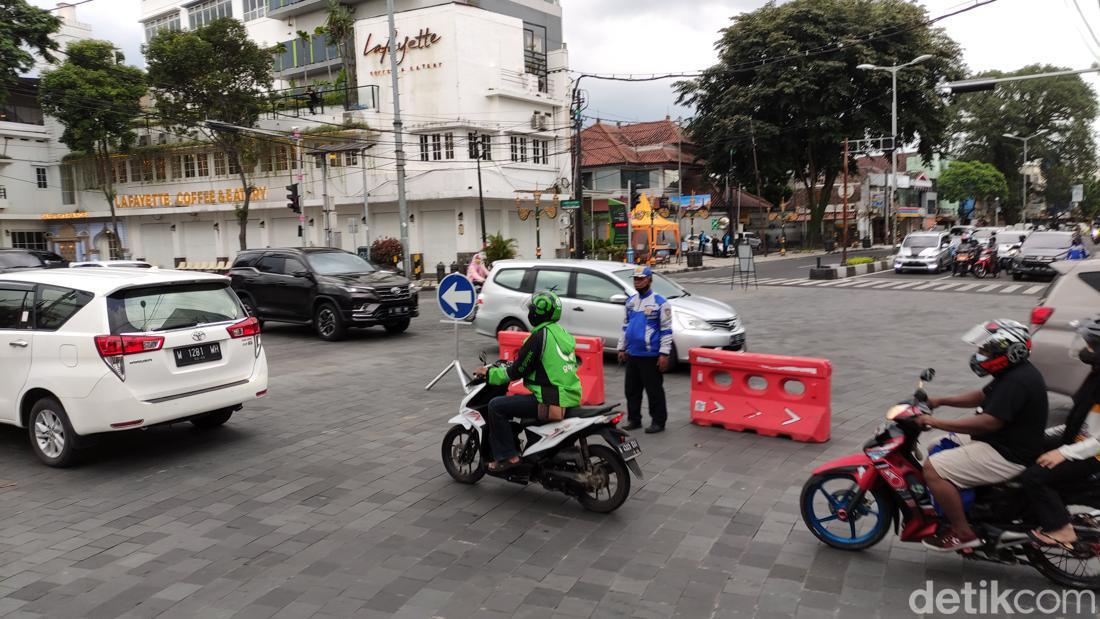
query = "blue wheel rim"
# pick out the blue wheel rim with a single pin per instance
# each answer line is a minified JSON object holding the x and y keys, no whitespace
{"x":840,"y":498}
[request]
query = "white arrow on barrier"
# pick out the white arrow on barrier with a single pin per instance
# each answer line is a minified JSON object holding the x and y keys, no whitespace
{"x":793,"y":417}
{"x":717,"y":408}
{"x":753,"y":415}
{"x":453,"y":296}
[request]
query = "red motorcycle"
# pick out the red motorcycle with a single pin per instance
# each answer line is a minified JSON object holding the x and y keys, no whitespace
{"x":851,"y":503}
{"x":985,"y":263}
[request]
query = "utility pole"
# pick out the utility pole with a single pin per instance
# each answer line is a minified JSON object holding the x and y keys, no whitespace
{"x":578,"y":186}
{"x":399,"y":150}
{"x":480,"y":195}
{"x":366,"y":201}
{"x":301,"y":186}
{"x":679,"y":184}
{"x":324,"y":199}
{"x":844,"y":235}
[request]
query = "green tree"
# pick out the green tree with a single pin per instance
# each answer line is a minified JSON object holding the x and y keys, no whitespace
{"x":96,"y":98}
{"x":972,"y":179}
{"x":24,"y":30}
{"x":1090,"y":206}
{"x":1065,"y":107}
{"x":787,"y":76}
{"x":339,"y":27}
{"x":214,"y":73}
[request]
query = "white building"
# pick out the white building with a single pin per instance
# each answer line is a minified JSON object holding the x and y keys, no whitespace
{"x":491,"y":72}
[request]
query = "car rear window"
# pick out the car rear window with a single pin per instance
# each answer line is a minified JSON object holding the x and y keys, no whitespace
{"x":171,"y":306}
{"x":511,"y":279}
{"x":16,"y":259}
{"x":1092,"y":279}
{"x":55,"y":306}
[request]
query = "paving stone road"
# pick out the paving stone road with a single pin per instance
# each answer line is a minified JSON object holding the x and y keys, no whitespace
{"x":328,"y":498}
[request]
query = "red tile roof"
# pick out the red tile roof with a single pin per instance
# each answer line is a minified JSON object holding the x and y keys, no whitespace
{"x":638,"y":143}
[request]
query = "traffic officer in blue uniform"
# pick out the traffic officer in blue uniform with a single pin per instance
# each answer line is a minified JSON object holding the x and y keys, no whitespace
{"x":644,"y":347}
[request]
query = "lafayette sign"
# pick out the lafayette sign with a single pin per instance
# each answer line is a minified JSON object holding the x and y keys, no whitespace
{"x":424,"y":39}
{"x":188,"y":198}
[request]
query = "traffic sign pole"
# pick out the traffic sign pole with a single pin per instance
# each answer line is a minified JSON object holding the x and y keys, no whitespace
{"x":457,"y":298}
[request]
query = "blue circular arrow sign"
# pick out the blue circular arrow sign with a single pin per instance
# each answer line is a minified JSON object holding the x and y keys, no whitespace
{"x":456,"y":296}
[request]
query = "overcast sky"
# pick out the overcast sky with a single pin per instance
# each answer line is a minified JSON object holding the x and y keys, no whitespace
{"x":652,"y":36}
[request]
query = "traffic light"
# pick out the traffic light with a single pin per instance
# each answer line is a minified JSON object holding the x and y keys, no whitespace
{"x":293,"y":200}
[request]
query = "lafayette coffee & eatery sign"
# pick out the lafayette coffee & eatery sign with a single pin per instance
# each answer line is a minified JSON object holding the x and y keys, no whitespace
{"x":188,"y":198}
{"x":424,"y":39}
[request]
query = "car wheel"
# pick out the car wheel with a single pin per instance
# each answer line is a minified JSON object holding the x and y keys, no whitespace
{"x":328,"y":322}
{"x":1017,"y":277}
{"x":51,"y":434}
{"x":214,"y":419}
{"x":511,"y":324}
{"x":250,"y":309}
{"x":397,"y":327}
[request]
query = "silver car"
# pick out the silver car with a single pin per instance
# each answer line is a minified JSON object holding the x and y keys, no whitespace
{"x":924,"y":251}
{"x":1074,"y":295}
{"x":593,"y":293}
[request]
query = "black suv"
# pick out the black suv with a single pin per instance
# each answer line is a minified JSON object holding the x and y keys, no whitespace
{"x":330,"y":288}
{"x":13,"y":259}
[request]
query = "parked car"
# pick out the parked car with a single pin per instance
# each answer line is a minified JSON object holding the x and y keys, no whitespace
{"x":956,"y":233}
{"x":15,"y":259}
{"x":117,"y":264}
{"x":331,"y":289}
{"x":92,"y":351}
{"x":924,"y":251}
{"x":1074,"y":295}
{"x":754,"y":240}
{"x":1039,"y":252}
{"x":593,"y":293}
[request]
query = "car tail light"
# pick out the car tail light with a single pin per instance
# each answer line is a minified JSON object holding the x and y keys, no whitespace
{"x":1040,"y":315}
{"x":112,"y":348}
{"x":481,"y":299}
{"x":248,"y":326}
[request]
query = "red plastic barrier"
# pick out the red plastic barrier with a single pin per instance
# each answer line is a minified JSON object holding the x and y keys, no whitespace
{"x":771,"y":395}
{"x":589,"y":353}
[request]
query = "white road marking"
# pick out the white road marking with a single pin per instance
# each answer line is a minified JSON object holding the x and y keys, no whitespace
{"x":990,"y":287}
{"x":1034,"y":289}
{"x":906,"y":285}
{"x":864,"y":284}
{"x":966,"y":287}
{"x":925,"y":286}
{"x":1009,"y":289}
{"x":946,"y":286}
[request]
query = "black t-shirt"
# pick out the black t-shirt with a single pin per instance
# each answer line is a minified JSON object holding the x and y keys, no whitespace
{"x":1018,"y":397}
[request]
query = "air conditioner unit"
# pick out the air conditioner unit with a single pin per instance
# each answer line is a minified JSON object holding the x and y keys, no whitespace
{"x":143,"y":140}
{"x":544,"y":122}
{"x":536,"y":120}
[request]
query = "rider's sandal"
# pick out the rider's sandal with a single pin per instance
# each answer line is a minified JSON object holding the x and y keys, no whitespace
{"x":500,"y":466}
{"x":1044,"y":539}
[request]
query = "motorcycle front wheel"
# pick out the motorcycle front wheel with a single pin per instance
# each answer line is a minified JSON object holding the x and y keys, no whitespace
{"x":611,"y":480}
{"x":979,"y":271}
{"x":830,"y":516}
{"x":462,"y":455}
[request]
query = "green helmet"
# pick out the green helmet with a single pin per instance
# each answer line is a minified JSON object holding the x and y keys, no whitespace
{"x":543,"y":306}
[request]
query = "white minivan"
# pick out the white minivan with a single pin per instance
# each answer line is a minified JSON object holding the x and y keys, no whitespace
{"x":89,"y":351}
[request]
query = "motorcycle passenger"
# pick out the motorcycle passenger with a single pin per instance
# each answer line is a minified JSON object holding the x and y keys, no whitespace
{"x":994,"y":268}
{"x":1006,"y":434}
{"x":1077,"y":455}
{"x":477,"y":271}
{"x":547,"y":363}
{"x":1077,"y":250}
{"x":965,"y":249}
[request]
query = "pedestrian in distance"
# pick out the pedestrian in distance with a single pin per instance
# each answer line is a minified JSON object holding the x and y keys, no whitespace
{"x":477,"y":271}
{"x":702,"y":242}
{"x":714,"y":246}
{"x":1077,"y":250}
{"x":726,"y":244}
{"x":644,"y":347}
{"x":312,"y":99}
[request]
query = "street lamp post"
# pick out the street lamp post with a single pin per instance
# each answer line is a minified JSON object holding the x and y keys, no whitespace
{"x":1023,"y":172}
{"x":891,"y":184}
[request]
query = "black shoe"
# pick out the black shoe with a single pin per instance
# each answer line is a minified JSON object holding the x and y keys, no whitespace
{"x":632,"y":425}
{"x":653,"y":429}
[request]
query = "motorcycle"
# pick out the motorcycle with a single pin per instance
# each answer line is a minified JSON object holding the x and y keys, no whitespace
{"x":559,"y":455}
{"x":962,"y":263}
{"x":985,"y":264}
{"x":850,"y":504}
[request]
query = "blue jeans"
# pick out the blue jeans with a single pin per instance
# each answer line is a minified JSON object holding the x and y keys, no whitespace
{"x":502,"y":410}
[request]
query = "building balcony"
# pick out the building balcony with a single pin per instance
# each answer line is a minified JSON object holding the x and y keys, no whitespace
{"x":282,"y":9}
{"x":527,"y":87}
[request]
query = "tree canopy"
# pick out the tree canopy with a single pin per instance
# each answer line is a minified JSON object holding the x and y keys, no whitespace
{"x":96,"y":98}
{"x":215,"y":72}
{"x":787,"y":80}
{"x":963,"y":180}
{"x":1065,"y":107}
{"x":24,"y":30}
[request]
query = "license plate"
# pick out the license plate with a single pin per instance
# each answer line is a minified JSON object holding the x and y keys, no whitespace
{"x":399,"y":311}
{"x":630,"y":449}
{"x":191,"y":355}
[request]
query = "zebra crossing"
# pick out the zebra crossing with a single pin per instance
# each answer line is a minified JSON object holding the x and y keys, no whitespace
{"x":919,"y":285}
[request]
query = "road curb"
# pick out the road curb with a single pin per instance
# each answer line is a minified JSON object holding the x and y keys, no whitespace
{"x":841,"y":272}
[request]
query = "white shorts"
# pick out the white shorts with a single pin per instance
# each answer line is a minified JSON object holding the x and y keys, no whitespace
{"x":974,"y":464}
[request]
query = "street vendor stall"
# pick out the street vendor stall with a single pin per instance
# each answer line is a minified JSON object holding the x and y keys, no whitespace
{"x":655,"y":238}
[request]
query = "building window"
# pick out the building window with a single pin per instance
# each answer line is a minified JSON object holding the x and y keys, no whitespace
{"x":449,"y":145}
{"x":158,"y":168}
{"x":515,"y":148}
{"x":423,"y":147}
{"x":480,"y":144}
{"x":40,"y":176}
{"x":254,"y":9}
{"x":351,"y":158}
{"x":188,"y":166}
{"x":437,"y":147}
{"x":639,"y":178}
{"x":586,"y":180}
{"x":202,"y":14}
{"x":519,"y":149}
{"x":28,"y":240}
{"x":68,"y":186}
{"x":318,"y":161}
{"x":219,"y":164}
{"x":120,"y":171}
{"x":234,"y":169}
{"x":170,"y":21}
{"x":177,"y":167}
{"x":534,"y":54}
{"x":540,"y":151}
{"x":203,"y":164}
{"x":280,"y":159}
{"x":3,"y":192}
